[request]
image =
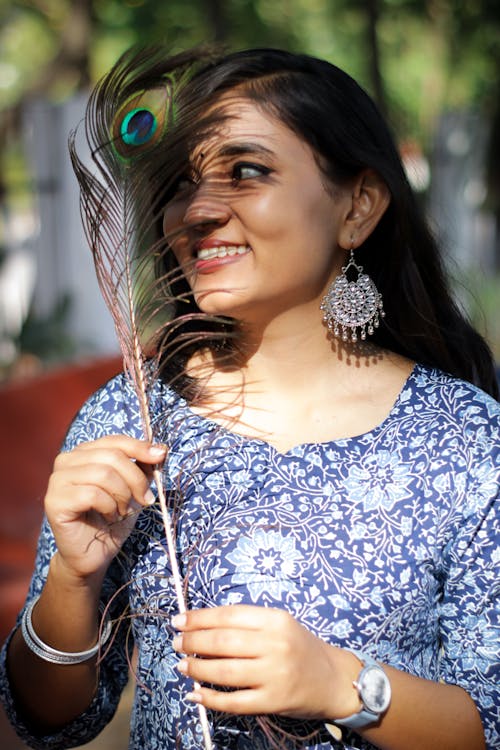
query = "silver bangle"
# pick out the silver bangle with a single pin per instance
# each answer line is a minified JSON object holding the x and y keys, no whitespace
{"x":47,"y":653}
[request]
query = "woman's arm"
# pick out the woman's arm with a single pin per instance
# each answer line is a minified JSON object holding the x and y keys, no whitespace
{"x":427,"y":715}
{"x":91,"y":504}
{"x":65,"y":617}
{"x":277,"y":666}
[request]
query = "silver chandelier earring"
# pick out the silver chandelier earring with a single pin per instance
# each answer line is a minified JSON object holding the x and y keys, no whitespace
{"x":349,"y":305}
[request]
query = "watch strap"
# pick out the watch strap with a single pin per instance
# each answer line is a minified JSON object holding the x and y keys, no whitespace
{"x":360,"y":719}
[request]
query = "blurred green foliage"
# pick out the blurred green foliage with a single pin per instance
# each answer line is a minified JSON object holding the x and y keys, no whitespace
{"x":431,"y":54}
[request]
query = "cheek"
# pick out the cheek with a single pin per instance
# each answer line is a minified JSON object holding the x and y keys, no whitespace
{"x":183,"y":258}
{"x":175,"y":233}
{"x":268,"y":217}
{"x":173,"y":216}
{"x":303,"y":206}
{"x":322,"y":215}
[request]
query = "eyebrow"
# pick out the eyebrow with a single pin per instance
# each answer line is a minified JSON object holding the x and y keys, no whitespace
{"x":239,"y":149}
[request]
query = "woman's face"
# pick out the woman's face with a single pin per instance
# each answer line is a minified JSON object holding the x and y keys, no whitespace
{"x":255,"y":225}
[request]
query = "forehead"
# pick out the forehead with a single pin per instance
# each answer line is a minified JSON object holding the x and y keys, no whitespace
{"x":242,"y":123}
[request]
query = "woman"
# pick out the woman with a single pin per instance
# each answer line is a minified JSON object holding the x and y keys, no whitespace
{"x":333,"y":472}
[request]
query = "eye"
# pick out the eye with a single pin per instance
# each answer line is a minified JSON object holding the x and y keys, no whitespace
{"x":248,"y":171}
{"x":183,"y":185}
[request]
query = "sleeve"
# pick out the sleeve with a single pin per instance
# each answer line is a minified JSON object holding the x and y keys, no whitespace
{"x":109,"y":411}
{"x":469,"y":610}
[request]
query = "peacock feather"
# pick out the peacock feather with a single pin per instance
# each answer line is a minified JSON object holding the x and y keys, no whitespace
{"x":139,"y":148}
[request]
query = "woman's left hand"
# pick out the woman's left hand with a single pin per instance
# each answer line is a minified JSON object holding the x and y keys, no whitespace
{"x":272,"y":663}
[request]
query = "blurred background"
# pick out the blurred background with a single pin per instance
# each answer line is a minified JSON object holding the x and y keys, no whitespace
{"x":432,"y":66}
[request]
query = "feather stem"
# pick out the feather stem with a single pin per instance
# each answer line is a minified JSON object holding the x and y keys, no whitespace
{"x":140,"y":380}
{"x":181,"y":603}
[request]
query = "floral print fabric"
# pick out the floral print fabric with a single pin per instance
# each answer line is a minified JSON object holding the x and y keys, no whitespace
{"x":386,"y":542}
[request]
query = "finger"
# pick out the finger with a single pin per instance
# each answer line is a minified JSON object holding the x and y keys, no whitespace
{"x":244,"y":616}
{"x":87,"y":496}
{"x":246,"y":701}
{"x":106,"y":466}
{"x":102,"y":476}
{"x":139,"y":450}
{"x":220,"y":642}
{"x":97,"y":486}
{"x":235,"y":673}
{"x":147,"y":469}
{"x":133,"y":447}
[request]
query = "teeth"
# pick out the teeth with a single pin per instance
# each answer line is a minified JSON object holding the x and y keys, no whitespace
{"x":221,"y":252}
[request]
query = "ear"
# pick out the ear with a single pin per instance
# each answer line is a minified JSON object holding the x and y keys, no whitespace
{"x":370,"y":198}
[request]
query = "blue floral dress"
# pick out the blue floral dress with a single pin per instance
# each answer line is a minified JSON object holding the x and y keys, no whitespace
{"x":386,"y":542}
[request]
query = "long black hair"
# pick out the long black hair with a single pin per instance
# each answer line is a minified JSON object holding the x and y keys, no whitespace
{"x":326,"y":108}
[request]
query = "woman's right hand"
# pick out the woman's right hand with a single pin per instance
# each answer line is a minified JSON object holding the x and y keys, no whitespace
{"x":93,"y":498}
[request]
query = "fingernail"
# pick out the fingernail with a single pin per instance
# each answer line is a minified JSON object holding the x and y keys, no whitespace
{"x":182,"y":666}
{"x":178,"y":621}
{"x":194,"y":697}
{"x":177,"y":642}
{"x":149,"y":497}
{"x":158,"y":451}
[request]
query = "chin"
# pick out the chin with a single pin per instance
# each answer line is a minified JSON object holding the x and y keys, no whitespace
{"x":218,"y":303}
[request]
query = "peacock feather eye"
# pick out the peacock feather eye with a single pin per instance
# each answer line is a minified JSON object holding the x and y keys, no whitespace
{"x":138,"y":127}
{"x":141,"y":121}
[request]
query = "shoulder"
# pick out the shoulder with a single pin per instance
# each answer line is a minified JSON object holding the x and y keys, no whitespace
{"x":461,"y":435}
{"x":456,"y":400}
{"x":114,"y":409}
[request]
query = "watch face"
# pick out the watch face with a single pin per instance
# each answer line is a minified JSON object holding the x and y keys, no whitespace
{"x":374,"y":689}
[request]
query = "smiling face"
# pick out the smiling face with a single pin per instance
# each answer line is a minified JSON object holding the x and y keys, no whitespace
{"x":255,"y":227}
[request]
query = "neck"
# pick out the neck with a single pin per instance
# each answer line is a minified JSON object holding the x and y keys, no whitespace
{"x":289,"y":354}
{"x":299,"y":387}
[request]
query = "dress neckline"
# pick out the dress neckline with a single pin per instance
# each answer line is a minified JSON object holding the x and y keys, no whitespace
{"x":214,"y":426}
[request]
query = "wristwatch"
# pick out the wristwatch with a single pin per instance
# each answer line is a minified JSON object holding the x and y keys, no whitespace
{"x":374,"y":690}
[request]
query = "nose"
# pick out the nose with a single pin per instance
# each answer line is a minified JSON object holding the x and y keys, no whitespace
{"x":207,"y":206}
